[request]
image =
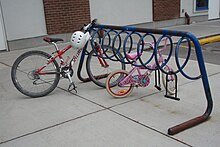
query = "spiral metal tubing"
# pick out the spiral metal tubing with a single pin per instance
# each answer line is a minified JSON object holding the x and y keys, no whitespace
{"x":122,"y":39}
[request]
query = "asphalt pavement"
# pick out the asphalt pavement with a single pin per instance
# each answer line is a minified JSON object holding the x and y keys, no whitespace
{"x":93,"y":118}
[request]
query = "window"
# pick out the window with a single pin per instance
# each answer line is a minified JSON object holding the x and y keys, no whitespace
{"x":202,"y":5}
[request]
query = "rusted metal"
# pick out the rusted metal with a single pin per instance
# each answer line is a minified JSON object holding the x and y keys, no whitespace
{"x":188,"y":124}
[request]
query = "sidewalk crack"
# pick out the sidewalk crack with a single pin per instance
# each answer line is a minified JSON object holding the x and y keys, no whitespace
{"x":151,"y":128}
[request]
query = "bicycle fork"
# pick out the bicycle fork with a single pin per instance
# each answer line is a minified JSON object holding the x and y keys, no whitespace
{"x":101,"y":60}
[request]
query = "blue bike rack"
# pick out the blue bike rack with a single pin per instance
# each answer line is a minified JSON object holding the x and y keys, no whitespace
{"x":123,"y":37}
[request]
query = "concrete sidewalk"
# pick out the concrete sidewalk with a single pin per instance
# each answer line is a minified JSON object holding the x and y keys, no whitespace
{"x":93,"y":118}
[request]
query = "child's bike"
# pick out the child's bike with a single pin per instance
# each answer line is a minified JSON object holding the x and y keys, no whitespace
{"x":126,"y":81}
{"x":37,"y":73}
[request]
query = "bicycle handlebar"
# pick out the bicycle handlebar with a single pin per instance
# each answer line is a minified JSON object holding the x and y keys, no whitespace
{"x":88,"y":26}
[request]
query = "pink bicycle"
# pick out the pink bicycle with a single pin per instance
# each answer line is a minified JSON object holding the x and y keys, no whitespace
{"x":126,"y":81}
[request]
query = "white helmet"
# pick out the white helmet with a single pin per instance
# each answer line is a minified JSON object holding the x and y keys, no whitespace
{"x":79,"y":39}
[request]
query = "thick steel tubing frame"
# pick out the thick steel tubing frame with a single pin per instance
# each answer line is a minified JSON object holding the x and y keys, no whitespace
{"x":184,"y":35}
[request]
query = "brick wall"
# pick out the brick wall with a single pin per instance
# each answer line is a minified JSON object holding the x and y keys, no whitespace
{"x":66,"y":16}
{"x":166,"y":9}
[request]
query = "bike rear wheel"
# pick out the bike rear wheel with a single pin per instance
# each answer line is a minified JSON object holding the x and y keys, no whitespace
{"x":28,"y":81}
{"x":97,"y":72}
{"x":118,"y":91}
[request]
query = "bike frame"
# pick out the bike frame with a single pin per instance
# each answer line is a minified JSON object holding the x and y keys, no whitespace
{"x":148,"y":72}
{"x":59,"y":55}
{"x":74,"y":59}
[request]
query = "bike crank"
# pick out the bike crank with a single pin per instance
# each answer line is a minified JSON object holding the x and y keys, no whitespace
{"x":67,"y":72}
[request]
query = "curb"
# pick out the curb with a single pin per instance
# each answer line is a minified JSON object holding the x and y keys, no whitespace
{"x":208,"y":40}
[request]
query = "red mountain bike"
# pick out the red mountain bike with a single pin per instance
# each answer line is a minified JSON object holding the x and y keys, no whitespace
{"x":37,"y":73}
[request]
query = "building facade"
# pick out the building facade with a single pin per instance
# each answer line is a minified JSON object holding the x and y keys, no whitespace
{"x":24,"y":22}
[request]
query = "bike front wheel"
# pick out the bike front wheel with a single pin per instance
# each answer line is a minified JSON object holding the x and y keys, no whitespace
{"x":98,"y":68}
{"x":119,"y":90}
{"x":26,"y":79}
{"x":170,"y":81}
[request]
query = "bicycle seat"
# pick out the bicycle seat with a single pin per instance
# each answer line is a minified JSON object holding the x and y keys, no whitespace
{"x":132,"y":55}
{"x":49,"y":39}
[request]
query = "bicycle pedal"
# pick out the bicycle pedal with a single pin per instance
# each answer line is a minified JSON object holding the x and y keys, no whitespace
{"x":72,"y":86}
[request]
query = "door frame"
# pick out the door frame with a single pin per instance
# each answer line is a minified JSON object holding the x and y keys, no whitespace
{"x":2,"y":25}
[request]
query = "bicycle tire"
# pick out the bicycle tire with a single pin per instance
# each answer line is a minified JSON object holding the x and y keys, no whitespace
{"x":27,"y":82}
{"x":98,"y":74}
{"x":118,"y":91}
{"x":171,"y":88}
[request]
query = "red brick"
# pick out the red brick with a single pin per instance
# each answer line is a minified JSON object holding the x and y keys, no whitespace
{"x":66,"y":16}
{"x":166,"y":9}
